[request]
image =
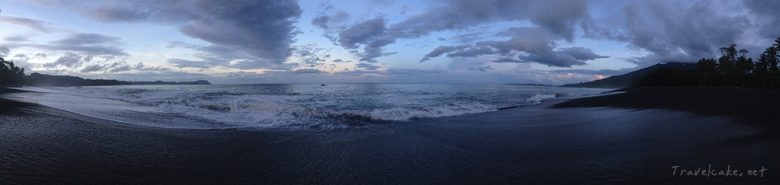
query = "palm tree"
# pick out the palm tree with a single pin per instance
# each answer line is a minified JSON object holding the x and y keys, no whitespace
{"x":774,"y":55}
{"x":742,"y":68}
{"x":726,"y":64}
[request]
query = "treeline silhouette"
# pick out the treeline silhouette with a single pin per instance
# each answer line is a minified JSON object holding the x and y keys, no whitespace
{"x":732,"y":69}
{"x":11,"y":75}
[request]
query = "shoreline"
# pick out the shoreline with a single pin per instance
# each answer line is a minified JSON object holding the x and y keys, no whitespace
{"x":756,"y":107}
{"x":534,"y":144}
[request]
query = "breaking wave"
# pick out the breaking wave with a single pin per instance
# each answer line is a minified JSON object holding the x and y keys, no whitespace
{"x":282,"y":106}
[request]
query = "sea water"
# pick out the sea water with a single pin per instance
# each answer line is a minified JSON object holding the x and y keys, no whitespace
{"x":287,"y":105}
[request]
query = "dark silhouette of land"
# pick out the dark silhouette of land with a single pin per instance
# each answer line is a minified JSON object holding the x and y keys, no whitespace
{"x":734,"y":85}
{"x":631,"y":78}
{"x":11,"y":75}
{"x":732,"y":69}
{"x":757,"y":107}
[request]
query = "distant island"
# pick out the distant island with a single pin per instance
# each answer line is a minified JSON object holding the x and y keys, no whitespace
{"x":11,"y":75}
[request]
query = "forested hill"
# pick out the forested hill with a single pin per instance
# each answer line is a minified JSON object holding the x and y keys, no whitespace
{"x":631,"y":78}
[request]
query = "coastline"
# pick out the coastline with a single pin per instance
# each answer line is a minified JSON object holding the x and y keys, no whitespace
{"x":536,"y":144}
{"x":753,"y":106}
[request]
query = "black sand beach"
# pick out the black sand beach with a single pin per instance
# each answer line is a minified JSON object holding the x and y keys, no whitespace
{"x":598,"y":140}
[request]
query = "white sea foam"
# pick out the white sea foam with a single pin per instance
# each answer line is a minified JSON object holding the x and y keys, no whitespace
{"x":538,"y":98}
{"x":282,"y":106}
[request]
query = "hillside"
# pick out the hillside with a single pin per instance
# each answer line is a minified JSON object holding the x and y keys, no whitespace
{"x":628,"y":79}
{"x":37,"y":79}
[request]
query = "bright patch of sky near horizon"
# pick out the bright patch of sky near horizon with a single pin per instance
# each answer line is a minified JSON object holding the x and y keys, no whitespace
{"x":552,"y":42}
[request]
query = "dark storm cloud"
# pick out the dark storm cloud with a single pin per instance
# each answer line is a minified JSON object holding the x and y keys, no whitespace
{"x":27,"y":22}
{"x":261,"y":30}
{"x":525,"y":45}
{"x":370,"y":34}
{"x":674,"y":30}
{"x":557,"y":16}
{"x":580,"y":53}
{"x":768,"y":10}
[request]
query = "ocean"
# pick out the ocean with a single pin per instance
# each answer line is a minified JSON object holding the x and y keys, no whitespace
{"x":287,"y":106}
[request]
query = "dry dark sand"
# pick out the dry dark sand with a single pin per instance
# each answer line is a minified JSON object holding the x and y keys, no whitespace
{"x":528,"y":145}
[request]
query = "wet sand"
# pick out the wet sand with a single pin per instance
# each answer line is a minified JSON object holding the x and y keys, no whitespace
{"x":539,"y":144}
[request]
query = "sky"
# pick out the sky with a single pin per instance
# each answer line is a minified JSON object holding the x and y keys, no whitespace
{"x":374,"y":41}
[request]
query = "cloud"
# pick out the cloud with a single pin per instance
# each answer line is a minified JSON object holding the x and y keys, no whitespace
{"x":121,"y":68}
{"x":557,"y":16}
{"x":70,"y":60}
{"x":526,"y":44}
{"x":308,"y":71}
{"x":119,"y":14}
{"x":4,"y":51}
{"x":580,"y":53}
{"x":16,"y":38}
{"x":770,"y":16}
{"x":401,"y":71}
{"x":674,"y":30}
{"x":260,"y":30}
{"x":92,"y":68}
{"x":441,"y":50}
{"x":86,"y":43}
{"x":327,"y":22}
{"x":192,"y":63}
{"x":370,"y":34}
{"x":362,"y":32}
{"x":367,"y":66}
{"x":338,"y":60}
{"x":27,"y":22}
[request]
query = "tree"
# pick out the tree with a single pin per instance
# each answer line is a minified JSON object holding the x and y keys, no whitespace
{"x":761,"y":71}
{"x":742,"y":68}
{"x":726,"y":65}
{"x":774,"y":56}
{"x":10,"y":74}
{"x":706,"y":69}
